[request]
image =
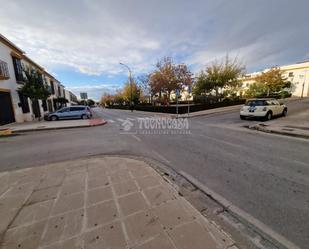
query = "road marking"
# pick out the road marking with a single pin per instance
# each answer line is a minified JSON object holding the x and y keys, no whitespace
{"x":137,"y":138}
{"x":120,"y":120}
{"x":132,"y":119}
{"x":243,"y":214}
{"x":110,"y":121}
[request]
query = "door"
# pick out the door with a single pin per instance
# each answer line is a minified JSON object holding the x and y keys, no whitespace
{"x":36,"y":108}
{"x":64,"y":113}
{"x":76,"y":111}
{"x":6,"y":109}
{"x":277,"y":107}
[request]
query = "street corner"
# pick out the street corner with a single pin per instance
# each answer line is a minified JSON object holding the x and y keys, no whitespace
{"x":106,"y":202}
{"x":97,"y":122}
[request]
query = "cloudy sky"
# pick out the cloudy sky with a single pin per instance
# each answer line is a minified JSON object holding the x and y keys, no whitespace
{"x":82,"y":42}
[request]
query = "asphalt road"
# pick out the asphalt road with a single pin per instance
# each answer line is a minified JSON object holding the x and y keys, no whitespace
{"x":265,"y":175}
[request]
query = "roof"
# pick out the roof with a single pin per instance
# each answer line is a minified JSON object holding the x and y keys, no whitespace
{"x":26,"y":58}
{"x":10,"y":44}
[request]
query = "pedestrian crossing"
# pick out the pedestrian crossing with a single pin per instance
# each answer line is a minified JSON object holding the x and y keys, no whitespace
{"x":120,"y":120}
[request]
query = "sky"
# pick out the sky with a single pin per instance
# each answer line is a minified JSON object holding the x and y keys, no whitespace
{"x":81,"y":42}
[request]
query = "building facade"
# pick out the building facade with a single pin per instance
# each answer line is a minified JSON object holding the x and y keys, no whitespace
{"x":15,"y":107}
{"x":297,"y":74}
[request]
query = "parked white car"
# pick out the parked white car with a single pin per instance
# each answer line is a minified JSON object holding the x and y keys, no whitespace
{"x":263,"y":108}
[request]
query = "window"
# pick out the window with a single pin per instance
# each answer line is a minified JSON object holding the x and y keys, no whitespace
{"x":24,"y":103}
{"x":59,"y":91}
{"x":291,"y":74}
{"x":18,"y":69}
{"x":4,"y":71}
{"x":77,"y":108}
{"x":66,"y":109}
{"x":52,"y":88}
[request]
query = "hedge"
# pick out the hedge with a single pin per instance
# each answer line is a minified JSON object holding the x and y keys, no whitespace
{"x":181,"y":109}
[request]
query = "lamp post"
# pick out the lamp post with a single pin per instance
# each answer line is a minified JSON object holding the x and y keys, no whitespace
{"x":130,"y":81}
{"x":304,"y":82}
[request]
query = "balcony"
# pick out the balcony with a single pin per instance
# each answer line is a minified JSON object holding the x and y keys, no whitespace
{"x":4,"y":71}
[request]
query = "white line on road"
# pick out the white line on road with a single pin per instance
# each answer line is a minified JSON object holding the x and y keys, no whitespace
{"x":234,"y":209}
{"x":120,"y":120}
{"x":137,"y":138}
{"x":110,"y":121}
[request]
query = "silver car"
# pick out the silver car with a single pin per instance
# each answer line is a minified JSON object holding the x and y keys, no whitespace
{"x":72,"y":112}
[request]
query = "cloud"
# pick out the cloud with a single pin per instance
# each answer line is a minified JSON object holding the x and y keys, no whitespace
{"x":94,"y":91}
{"x":93,"y":36}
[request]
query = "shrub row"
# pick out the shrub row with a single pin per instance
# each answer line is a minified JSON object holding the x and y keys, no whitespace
{"x":181,"y":109}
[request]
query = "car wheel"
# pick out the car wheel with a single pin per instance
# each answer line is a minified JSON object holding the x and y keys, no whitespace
{"x":84,"y":116}
{"x":269,"y":116}
{"x":285,"y":112}
{"x":53,"y":118}
{"x":242,"y":117}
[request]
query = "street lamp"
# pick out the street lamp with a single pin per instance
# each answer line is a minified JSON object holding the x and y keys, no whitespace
{"x":130,"y":82}
{"x":304,"y":82}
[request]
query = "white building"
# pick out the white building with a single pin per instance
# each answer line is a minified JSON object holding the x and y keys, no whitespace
{"x":13,"y":106}
{"x":297,"y":74}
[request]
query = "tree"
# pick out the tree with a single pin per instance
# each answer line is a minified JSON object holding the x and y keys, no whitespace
{"x":256,"y":90}
{"x":107,"y":99}
{"x":136,"y":92}
{"x":34,"y":88}
{"x":273,"y":80}
{"x":168,"y":77}
{"x":219,"y":75}
{"x":118,"y":98}
{"x":202,"y":84}
{"x":143,"y":82}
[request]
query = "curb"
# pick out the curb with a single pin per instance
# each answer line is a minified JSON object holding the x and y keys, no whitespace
{"x":5,"y":132}
{"x":56,"y":128}
{"x":286,"y":133}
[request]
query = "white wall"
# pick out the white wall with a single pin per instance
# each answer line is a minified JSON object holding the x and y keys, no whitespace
{"x":10,"y":84}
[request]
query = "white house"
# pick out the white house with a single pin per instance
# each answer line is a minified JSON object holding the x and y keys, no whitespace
{"x":297,"y":74}
{"x":15,"y":107}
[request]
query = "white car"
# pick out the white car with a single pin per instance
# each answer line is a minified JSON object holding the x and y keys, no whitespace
{"x":263,"y":108}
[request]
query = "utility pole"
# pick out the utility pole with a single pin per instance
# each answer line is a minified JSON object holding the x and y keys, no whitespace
{"x":130,"y":82}
{"x":303,"y":86}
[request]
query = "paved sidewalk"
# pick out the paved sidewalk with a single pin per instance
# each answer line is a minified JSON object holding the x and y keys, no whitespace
{"x":51,"y":125}
{"x":100,"y":202}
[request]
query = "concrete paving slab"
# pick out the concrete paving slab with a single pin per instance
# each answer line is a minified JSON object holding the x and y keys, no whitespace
{"x":132,"y":203}
{"x":98,"y":195}
{"x":192,"y":235}
{"x":158,"y":195}
{"x":43,"y":195}
{"x":161,"y":241}
{"x":124,"y":188}
{"x":89,"y":203}
{"x":101,"y":213}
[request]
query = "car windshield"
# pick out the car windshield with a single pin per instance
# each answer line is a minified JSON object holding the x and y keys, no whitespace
{"x":255,"y":103}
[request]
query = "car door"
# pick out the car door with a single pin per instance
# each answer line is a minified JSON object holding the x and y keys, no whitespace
{"x":274,"y":107}
{"x":279,"y":108}
{"x":75,"y":112}
{"x":64,"y":113}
